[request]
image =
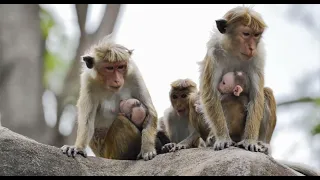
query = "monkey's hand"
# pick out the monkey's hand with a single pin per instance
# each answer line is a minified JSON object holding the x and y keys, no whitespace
{"x":167,"y":147}
{"x":178,"y":147}
{"x":147,"y":154}
{"x":223,"y":143}
{"x":252,"y":145}
{"x":72,"y":151}
{"x":210,"y":141}
{"x":198,"y":108}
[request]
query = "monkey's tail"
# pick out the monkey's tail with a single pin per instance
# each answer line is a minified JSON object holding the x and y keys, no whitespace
{"x":301,"y":168}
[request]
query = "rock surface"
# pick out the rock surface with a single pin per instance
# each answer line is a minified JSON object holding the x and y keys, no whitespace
{"x":22,"y":156}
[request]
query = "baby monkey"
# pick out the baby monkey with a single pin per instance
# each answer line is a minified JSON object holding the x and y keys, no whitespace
{"x":234,"y":99}
{"x":133,"y":109}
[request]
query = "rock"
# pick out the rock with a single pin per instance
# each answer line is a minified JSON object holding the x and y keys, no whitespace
{"x":23,"y":156}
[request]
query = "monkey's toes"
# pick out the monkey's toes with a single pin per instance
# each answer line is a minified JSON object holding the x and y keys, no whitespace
{"x":222,"y":144}
{"x":168,"y":147}
{"x":253,"y":146}
{"x":149,"y":155}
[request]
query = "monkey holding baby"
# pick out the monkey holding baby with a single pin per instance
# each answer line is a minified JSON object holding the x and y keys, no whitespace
{"x":111,"y":93}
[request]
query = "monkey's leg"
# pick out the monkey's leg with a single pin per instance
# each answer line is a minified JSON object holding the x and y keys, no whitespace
{"x":123,"y":140}
{"x":269,"y":120}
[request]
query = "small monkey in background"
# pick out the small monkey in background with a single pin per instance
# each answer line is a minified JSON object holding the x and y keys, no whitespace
{"x":109,"y":76}
{"x":236,"y":45}
{"x":175,"y":121}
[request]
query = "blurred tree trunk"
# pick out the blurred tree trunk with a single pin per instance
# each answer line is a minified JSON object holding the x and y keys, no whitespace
{"x":70,"y":91}
{"x":21,"y":70}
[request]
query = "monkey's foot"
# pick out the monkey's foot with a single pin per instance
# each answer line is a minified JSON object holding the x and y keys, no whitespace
{"x":167,"y":147}
{"x":223,"y":143}
{"x":178,"y":147}
{"x":147,"y":155}
{"x":210,"y":141}
{"x":253,"y":145}
{"x":72,"y":151}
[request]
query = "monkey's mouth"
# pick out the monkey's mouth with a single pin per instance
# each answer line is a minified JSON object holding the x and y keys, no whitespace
{"x":115,"y":88}
{"x":181,"y":111}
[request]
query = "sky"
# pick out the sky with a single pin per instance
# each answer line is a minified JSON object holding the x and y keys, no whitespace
{"x":170,"y":39}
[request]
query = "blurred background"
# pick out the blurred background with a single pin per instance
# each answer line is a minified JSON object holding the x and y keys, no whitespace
{"x":40,"y":48}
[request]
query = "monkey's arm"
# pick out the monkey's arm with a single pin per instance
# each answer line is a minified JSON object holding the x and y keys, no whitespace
{"x":87,"y":109}
{"x":141,"y":93}
{"x":212,"y":108}
{"x":255,"y":113}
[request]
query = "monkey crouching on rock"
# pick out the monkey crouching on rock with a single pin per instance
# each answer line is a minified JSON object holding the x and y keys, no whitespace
{"x":109,"y":79}
{"x":174,"y":128}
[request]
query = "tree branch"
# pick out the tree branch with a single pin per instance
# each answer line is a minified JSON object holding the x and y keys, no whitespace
{"x":82,"y":10}
{"x":108,"y":22}
{"x":301,"y":100}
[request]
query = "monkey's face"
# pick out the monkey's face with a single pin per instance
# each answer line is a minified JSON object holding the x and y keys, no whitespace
{"x":246,"y":42}
{"x":179,"y":101}
{"x":113,"y":74}
{"x":227,"y":83}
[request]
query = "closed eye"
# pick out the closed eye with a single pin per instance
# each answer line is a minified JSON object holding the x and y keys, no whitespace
{"x":174,"y":97}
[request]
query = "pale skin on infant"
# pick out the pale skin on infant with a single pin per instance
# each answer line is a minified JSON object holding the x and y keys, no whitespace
{"x":133,"y":109}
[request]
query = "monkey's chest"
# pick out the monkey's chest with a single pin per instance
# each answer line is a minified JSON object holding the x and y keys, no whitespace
{"x":180,"y":130}
{"x":109,"y":109}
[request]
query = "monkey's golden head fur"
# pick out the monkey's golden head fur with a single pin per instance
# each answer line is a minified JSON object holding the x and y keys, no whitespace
{"x":247,"y":16}
{"x":179,"y":95}
{"x":109,"y":51}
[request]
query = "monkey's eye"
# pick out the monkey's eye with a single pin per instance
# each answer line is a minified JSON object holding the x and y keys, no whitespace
{"x":223,"y":82}
{"x":174,"y":97}
{"x":257,"y":35}
{"x":109,"y":68}
{"x":183,"y":96}
{"x":121,"y":67}
{"x":246,"y":34}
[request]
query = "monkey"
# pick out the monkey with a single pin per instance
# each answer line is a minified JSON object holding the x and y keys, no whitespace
{"x":134,"y":110}
{"x":109,"y":75}
{"x":234,"y":99}
{"x":175,"y":121}
{"x":236,"y":45}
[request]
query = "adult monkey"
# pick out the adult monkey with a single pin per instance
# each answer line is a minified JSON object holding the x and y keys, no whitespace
{"x":110,"y":76}
{"x":238,"y":47}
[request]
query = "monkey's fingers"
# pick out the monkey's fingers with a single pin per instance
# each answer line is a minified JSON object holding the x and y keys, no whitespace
{"x":149,"y":155}
{"x":222,"y":144}
{"x":65,"y":149}
{"x":168,"y":147}
{"x":139,"y":155}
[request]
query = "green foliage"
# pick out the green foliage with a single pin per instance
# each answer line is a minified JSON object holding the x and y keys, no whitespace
{"x":46,"y":22}
{"x":316,"y":130}
{"x":52,"y":61}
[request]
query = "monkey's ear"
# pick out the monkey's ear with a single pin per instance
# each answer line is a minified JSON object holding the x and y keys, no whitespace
{"x":221,"y":25}
{"x":89,"y":61}
{"x":130,"y":51}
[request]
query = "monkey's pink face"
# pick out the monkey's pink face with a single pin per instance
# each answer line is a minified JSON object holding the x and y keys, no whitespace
{"x":179,"y":101}
{"x":248,"y":41}
{"x":227,"y":83}
{"x":113,"y":74}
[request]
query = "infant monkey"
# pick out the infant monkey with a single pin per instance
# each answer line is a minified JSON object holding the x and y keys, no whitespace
{"x":133,"y":109}
{"x":234,"y":99}
{"x":233,"y":83}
